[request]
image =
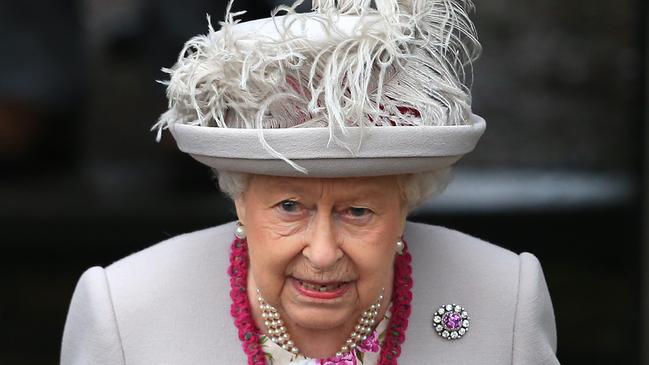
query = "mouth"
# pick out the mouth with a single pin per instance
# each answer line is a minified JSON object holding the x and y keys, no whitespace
{"x":330,"y":290}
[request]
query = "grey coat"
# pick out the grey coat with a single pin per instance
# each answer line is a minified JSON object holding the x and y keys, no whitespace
{"x":169,"y":304}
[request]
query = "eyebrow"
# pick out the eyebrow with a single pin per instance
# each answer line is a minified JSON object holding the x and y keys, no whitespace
{"x":363,"y":194}
{"x":286,"y":184}
{"x":353,"y":192}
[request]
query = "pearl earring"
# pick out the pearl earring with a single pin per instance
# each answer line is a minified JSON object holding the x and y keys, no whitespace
{"x":400,"y":246}
{"x":240,"y":231}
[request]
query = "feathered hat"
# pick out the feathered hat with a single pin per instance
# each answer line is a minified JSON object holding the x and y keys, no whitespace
{"x":353,"y":88}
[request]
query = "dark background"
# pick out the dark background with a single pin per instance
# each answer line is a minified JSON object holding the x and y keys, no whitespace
{"x":561,"y":171}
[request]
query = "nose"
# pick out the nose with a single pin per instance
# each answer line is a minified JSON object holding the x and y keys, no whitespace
{"x":322,"y":248}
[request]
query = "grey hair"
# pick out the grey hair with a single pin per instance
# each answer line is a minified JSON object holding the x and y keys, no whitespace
{"x":233,"y":184}
{"x":416,"y":188}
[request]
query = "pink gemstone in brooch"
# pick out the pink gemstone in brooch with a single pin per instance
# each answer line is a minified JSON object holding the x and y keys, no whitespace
{"x":451,"y":321}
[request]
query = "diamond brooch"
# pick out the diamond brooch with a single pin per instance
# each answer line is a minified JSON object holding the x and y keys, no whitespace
{"x":451,"y":321}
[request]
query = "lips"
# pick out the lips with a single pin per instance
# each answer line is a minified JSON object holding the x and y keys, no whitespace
{"x":320,"y":287}
{"x":330,"y":290}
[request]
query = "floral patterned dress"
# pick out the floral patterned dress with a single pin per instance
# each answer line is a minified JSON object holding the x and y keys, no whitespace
{"x":366,"y":353}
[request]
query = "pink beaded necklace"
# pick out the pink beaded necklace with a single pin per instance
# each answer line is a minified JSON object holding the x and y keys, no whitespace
{"x":249,"y":333}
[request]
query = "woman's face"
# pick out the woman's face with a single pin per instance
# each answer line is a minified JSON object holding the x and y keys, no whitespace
{"x":321,"y":250}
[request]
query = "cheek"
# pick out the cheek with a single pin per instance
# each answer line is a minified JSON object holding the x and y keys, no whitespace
{"x":373,"y":257}
{"x":374,"y":243}
{"x":270,"y":257}
{"x":372,"y":260}
{"x":373,"y":250}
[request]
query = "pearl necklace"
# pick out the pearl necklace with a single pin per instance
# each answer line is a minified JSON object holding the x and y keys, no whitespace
{"x":278,"y":334}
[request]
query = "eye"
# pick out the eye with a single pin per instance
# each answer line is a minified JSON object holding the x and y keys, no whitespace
{"x":289,"y":206}
{"x":358,"y":212}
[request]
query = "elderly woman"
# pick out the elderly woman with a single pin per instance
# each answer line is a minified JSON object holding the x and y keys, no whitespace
{"x":326,"y":129}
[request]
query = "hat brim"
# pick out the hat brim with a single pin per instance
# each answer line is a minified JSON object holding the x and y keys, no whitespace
{"x":382,"y":150}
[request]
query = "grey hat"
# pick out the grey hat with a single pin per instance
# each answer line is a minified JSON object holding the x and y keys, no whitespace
{"x":350,"y":89}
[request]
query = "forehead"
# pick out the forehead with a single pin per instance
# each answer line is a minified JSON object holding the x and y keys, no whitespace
{"x":338,"y":187}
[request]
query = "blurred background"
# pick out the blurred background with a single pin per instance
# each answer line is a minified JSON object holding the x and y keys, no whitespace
{"x":561,"y":171}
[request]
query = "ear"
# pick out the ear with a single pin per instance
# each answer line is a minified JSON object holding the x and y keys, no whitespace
{"x":240,"y":205}
{"x":404,"y":219}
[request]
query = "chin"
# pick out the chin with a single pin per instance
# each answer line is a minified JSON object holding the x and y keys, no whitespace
{"x":318,"y":318}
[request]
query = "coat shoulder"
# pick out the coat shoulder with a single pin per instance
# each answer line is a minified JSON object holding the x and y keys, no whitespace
{"x":450,"y":267}
{"x":173,"y":293}
{"x":457,"y":248}
{"x":183,"y":248}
